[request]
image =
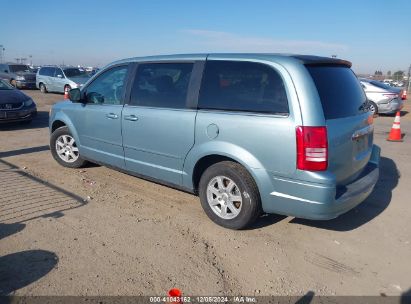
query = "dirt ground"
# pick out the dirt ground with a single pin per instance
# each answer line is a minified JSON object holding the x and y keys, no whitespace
{"x":96,"y":231}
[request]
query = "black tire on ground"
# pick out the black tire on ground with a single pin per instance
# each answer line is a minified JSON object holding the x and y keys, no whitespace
{"x":251,"y":202}
{"x":373,"y":108}
{"x":43,"y":88}
{"x":80,"y":162}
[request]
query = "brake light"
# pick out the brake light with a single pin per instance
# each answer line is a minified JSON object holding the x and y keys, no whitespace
{"x":404,"y":95}
{"x":312,"y":148}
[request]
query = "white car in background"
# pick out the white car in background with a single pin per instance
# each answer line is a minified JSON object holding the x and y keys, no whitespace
{"x":383,"y":98}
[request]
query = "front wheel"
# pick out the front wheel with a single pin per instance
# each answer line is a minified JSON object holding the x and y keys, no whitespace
{"x":64,"y":149}
{"x":229,"y":195}
{"x":43,"y":88}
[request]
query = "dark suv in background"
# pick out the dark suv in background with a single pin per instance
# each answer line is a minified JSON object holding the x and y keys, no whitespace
{"x":18,"y":75}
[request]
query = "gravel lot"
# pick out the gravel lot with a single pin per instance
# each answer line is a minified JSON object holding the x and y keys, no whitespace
{"x":96,"y":231}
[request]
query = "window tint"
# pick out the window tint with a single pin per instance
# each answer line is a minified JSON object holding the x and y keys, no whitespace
{"x":161,"y":85}
{"x":109,"y":87}
{"x":15,"y":68}
{"x":74,"y":72}
{"x":242,"y":86}
{"x":47,"y":71}
{"x":340,"y":91}
{"x":58,"y":72}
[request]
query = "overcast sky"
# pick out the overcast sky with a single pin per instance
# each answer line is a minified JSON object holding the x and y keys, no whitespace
{"x":372,"y":34}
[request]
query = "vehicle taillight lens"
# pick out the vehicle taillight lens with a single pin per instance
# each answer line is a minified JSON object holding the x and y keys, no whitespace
{"x":312,"y":148}
{"x":404,"y":95}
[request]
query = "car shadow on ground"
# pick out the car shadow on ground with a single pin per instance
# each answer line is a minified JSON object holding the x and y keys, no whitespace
{"x":38,"y":122}
{"x":26,"y":197}
{"x":24,"y":151}
{"x":20,"y":269}
{"x":10,"y":229}
{"x":374,"y":205}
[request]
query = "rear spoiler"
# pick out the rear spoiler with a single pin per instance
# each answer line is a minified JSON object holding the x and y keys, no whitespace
{"x":322,"y":61}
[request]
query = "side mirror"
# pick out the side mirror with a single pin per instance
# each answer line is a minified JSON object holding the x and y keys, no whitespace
{"x":75,"y":95}
{"x":59,"y":76}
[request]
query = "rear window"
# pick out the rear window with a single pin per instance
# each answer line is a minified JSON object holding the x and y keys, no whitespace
{"x":339,"y":89}
{"x":15,"y":68}
{"x":242,"y":86}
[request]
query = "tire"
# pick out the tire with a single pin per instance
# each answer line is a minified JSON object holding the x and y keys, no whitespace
{"x":65,"y":159}
{"x":43,"y":88}
{"x":246,"y":211}
{"x":373,"y":108}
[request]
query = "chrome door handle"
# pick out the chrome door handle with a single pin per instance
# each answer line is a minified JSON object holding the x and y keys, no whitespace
{"x":131,"y":117}
{"x":112,"y":116}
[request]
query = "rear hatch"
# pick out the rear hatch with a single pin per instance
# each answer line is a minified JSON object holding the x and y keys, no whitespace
{"x":348,"y":120}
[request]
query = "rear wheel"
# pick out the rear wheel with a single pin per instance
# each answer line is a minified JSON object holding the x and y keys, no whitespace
{"x":64,"y":149}
{"x":373,"y":108}
{"x":43,"y":88}
{"x":229,"y":195}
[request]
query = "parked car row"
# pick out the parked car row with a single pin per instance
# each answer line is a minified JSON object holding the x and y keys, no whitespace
{"x":51,"y":78}
{"x":15,"y":106}
{"x":383,"y":98}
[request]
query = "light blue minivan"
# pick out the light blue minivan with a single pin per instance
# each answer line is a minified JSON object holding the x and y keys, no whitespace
{"x":248,"y":133}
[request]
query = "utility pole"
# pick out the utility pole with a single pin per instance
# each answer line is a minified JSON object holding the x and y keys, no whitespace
{"x":2,"y":49}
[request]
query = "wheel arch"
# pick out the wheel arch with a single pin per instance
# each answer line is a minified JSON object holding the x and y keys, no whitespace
{"x":196,"y":162}
{"x":61,"y":120}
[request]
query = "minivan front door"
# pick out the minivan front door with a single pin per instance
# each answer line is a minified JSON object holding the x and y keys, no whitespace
{"x":99,"y":120}
{"x":158,"y":123}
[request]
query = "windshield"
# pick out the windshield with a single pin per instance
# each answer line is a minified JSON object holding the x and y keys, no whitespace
{"x":5,"y":86}
{"x":73,"y":72}
{"x":19,"y":68}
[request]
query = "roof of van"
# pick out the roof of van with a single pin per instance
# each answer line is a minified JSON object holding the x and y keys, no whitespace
{"x":303,"y":59}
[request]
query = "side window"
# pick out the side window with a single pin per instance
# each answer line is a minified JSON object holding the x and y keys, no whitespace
{"x":162,"y":85}
{"x":49,"y":72}
{"x":108,"y":88}
{"x":44,"y":71}
{"x":53,"y":72}
{"x":58,"y":72}
{"x":242,"y":86}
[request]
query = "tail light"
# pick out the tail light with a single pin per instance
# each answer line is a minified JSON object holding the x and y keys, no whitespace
{"x":404,"y":95}
{"x":312,"y":148}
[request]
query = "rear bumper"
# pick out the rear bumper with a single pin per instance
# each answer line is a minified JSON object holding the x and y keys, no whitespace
{"x":319,"y":201}
{"x":391,"y":107}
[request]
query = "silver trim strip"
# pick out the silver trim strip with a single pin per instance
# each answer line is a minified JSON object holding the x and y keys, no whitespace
{"x":294,"y":197}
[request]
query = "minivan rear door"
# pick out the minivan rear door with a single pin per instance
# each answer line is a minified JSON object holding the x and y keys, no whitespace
{"x":348,"y":120}
{"x":158,"y":123}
